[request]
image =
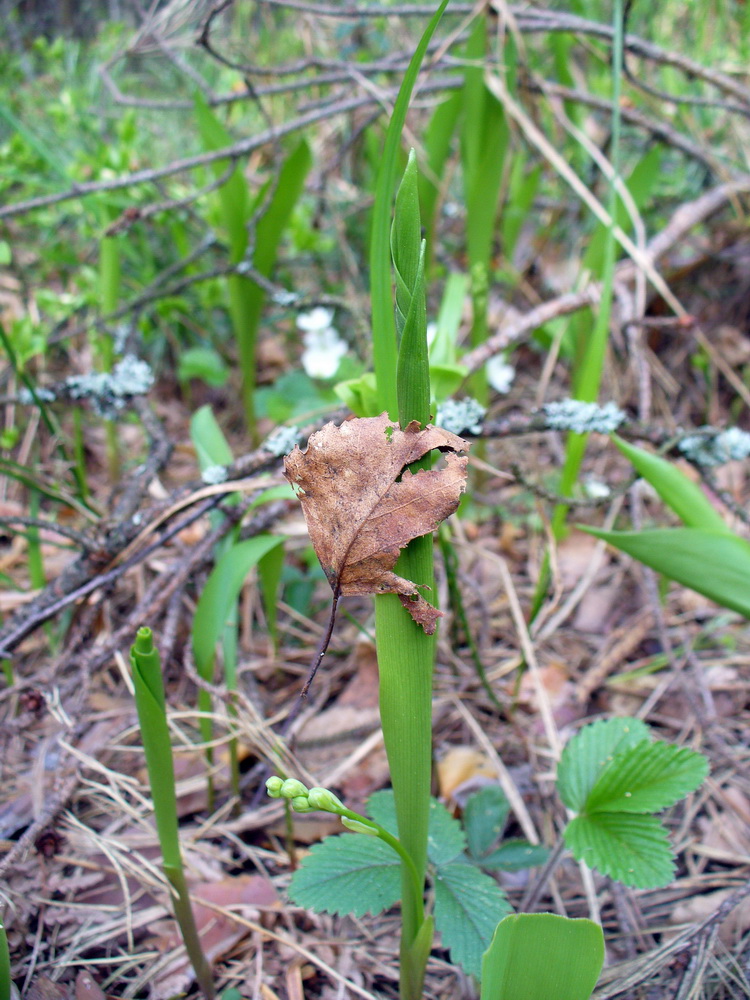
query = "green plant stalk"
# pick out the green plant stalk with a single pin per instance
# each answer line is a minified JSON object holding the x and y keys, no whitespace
{"x":395,"y":844}
{"x":151,"y":705}
{"x":405,"y":661}
{"x":36,"y":562}
{"x":406,"y":654}
{"x":5,"y":980}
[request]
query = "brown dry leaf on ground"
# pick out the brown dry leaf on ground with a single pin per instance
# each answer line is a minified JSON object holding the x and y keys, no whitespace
{"x":362,"y":505}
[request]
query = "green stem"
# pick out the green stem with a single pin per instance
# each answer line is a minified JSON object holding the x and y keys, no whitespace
{"x":183,"y":912}
{"x":5,"y":980}
{"x":405,"y":659}
{"x":417,"y":884}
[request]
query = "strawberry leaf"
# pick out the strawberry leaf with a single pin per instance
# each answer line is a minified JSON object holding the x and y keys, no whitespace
{"x":590,"y":752}
{"x":468,"y":907}
{"x":485,"y":816}
{"x":647,"y":777}
{"x":348,"y":873}
{"x":635,"y":850}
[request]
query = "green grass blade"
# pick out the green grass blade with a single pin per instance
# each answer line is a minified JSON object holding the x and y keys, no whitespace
{"x":233,"y":195}
{"x":484,"y":142}
{"x":408,"y":250}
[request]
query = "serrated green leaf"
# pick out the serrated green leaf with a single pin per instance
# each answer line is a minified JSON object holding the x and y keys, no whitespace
{"x":349,"y":873}
{"x":633,"y":849}
{"x":485,"y":816}
{"x":572,"y":950}
{"x":382,"y":808}
{"x":646,"y":778}
{"x":468,"y":907}
{"x":445,"y":838}
{"x":515,"y":855}
{"x":713,"y":563}
{"x":685,"y":497}
{"x":589,"y":753}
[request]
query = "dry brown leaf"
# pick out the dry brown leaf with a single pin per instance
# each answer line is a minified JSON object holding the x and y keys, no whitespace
{"x":362,"y":505}
{"x":459,"y":767}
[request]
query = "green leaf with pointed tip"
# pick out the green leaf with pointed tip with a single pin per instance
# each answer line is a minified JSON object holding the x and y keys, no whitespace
{"x":571,"y":953}
{"x":647,"y":777}
{"x":450,"y":314}
{"x":385,"y":351}
{"x":633,"y":849}
{"x":208,"y":439}
{"x":220,"y":594}
{"x":485,"y":816}
{"x":468,"y":906}
{"x":715,"y":564}
{"x":349,"y":873}
{"x":590,"y":752}
{"x":685,"y":497}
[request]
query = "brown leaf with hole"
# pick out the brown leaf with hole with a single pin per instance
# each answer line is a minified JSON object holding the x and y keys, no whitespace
{"x":362,"y":505}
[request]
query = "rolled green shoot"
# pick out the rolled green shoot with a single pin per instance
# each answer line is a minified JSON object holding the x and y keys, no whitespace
{"x":157,"y":747}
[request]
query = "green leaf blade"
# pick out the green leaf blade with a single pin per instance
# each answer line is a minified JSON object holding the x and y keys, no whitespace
{"x":221,"y":592}
{"x":590,"y":752}
{"x":715,"y":564}
{"x":572,"y":950}
{"x":468,"y":907}
{"x":647,"y":777}
{"x":348,"y":874}
{"x":681,"y":494}
{"x":633,"y":849}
